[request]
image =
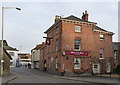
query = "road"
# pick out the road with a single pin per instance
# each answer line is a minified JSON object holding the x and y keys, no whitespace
{"x":26,"y":75}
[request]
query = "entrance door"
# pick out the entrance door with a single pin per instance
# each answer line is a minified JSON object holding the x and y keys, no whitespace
{"x":45,"y":66}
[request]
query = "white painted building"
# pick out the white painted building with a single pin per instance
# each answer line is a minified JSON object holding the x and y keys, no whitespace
{"x":35,"y":56}
{"x":14,"y":55}
{"x":13,"y":52}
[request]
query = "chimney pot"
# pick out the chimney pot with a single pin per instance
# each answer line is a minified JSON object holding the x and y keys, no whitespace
{"x":85,"y":16}
{"x":85,"y":11}
{"x":57,"y":18}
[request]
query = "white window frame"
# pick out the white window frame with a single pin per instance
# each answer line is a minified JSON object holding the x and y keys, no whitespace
{"x":57,"y":30}
{"x":115,"y":54}
{"x":77,"y":44}
{"x":101,"y":37}
{"x":52,"y":59}
{"x":96,"y":70}
{"x":108,"y":69}
{"x":56,"y":63}
{"x":102,"y":54}
{"x":77,"y":64}
{"x":78,"y":28}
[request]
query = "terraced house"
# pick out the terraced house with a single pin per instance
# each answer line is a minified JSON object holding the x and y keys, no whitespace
{"x":35,"y":56}
{"x":77,"y":46}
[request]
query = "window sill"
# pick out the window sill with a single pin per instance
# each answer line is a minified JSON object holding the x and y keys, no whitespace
{"x":76,"y":68}
{"x":78,"y":32}
{"x":101,"y":58}
{"x":101,"y":39}
{"x":76,"y":50}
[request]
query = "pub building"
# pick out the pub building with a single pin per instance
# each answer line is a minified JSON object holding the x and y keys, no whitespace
{"x":77,"y":46}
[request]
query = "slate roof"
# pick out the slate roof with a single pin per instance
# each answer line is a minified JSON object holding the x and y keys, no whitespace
{"x":116,"y":45}
{"x":101,"y":29}
{"x":71,"y":17}
{"x":39,"y":46}
{"x":6,"y":46}
{"x":78,"y":19}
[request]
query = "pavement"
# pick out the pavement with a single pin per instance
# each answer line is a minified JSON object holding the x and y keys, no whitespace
{"x":93,"y":79}
{"x":89,"y":79}
{"x":10,"y":77}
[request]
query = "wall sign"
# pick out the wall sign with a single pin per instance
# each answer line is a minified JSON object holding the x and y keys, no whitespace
{"x":48,"y":41}
{"x":80,"y":53}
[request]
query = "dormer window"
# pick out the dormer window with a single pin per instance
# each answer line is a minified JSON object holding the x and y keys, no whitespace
{"x":101,"y":37}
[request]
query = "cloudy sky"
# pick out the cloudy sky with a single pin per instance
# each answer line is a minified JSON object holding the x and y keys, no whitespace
{"x":26,"y":27}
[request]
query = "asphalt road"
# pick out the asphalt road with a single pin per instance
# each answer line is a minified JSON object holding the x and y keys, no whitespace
{"x":25,"y":75}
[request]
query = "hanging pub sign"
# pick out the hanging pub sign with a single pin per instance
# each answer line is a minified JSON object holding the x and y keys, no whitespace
{"x":47,"y":41}
{"x":80,"y":53}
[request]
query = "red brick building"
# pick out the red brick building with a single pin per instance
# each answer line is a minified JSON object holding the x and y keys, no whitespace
{"x":78,"y":46}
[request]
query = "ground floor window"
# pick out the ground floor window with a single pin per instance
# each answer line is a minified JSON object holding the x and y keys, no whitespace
{"x":96,"y":68}
{"x":11,"y":63}
{"x":49,"y":63}
{"x":76,"y":63}
{"x":108,"y":67}
{"x":56,"y":65}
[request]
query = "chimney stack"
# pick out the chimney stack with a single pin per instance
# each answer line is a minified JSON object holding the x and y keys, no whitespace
{"x":85,"y":16}
{"x":57,"y":18}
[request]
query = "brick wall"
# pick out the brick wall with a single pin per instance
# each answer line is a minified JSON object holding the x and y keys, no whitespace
{"x":90,"y":42}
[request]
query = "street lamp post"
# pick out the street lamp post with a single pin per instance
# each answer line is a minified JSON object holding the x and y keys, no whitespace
{"x":2,"y":33}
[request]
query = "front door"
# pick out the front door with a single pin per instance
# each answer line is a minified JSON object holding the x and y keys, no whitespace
{"x":45,"y":66}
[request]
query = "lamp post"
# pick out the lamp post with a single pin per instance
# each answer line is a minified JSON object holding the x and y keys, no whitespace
{"x":2,"y":32}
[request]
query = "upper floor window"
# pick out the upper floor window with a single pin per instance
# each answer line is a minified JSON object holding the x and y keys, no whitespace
{"x":115,"y":54}
{"x":77,"y":28}
{"x":48,"y":48}
{"x":11,"y":53}
{"x":57,"y":29}
{"x":101,"y":53}
{"x":56,"y":45}
{"x":52,"y":59}
{"x":77,"y":45}
{"x":101,"y":37}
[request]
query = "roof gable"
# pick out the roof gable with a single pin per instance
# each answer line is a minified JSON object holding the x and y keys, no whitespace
{"x":6,"y":46}
{"x":71,"y":17}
